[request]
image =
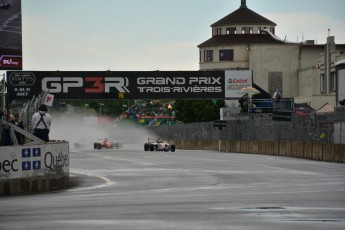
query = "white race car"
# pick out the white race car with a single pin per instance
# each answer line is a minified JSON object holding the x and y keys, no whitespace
{"x":158,"y":145}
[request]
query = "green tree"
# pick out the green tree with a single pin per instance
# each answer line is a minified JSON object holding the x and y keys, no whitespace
{"x":108,"y":107}
{"x":190,"y":111}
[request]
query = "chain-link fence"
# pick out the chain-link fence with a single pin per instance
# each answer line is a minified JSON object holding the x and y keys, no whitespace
{"x":315,"y":128}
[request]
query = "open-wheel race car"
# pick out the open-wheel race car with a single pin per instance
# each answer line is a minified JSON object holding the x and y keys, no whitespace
{"x":105,"y":143}
{"x":158,"y":145}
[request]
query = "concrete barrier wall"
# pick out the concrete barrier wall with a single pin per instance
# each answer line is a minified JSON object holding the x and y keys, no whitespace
{"x":34,"y":168}
{"x":296,"y":149}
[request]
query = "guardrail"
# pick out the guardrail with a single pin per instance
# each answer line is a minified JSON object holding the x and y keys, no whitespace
{"x":297,"y":149}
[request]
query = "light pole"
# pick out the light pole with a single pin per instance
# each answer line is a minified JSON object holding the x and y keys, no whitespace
{"x":169,"y":110}
{"x":100,"y":109}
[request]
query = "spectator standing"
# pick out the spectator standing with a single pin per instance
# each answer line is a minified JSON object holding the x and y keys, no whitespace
{"x":5,"y":132}
{"x":244,"y":102}
{"x":276,"y":99}
{"x":41,"y":122}
{"x":16,"y":121}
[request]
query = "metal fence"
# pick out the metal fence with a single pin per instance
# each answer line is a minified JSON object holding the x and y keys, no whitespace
{"x":28,"y":108}
{"x":315,"y":128}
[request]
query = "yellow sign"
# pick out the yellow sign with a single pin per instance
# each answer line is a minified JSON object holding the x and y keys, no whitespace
{"x":121,"y":95}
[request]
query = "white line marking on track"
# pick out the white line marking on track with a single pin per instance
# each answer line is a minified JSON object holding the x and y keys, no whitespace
{"x":106,"y":183}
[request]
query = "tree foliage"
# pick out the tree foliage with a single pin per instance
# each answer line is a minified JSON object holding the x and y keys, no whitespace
{"x":190,"y":111}
{"x":108,"y":107}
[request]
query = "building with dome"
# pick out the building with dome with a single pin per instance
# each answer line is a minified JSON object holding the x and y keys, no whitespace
{"x":245,"y":40}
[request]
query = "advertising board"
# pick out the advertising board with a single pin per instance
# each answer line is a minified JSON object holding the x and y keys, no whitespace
{"x":10,"y":35}
{"x":236,"y":80}
{"x":34,"y":160}
{"x":117,"y":84}
{"x":232,"y":114}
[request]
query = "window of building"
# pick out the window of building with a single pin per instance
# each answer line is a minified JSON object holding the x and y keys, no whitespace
{"x":231,"y":30}
{"x":247,"y":30}
{"x":259,"y":28}
{"x":217,"y":31}
{"x":208,"y":55}
{"x":332,"y":82}
{"x":226,"y":55}
{"x":272,"y":30}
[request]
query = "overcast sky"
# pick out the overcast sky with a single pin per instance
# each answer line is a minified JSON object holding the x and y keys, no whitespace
{"x":133,"y":35}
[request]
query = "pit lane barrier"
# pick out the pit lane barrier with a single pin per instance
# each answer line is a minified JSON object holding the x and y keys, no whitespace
{"x":296,"y":149}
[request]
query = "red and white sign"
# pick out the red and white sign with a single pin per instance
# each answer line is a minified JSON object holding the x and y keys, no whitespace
{"x":235,"y":80}
{"x":48,"y":101}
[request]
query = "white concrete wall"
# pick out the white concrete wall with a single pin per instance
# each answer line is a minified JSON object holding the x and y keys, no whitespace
{"x":34,"y":168}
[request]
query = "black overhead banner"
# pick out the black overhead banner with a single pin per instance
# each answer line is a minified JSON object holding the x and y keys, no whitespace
{"x":117,"y":85}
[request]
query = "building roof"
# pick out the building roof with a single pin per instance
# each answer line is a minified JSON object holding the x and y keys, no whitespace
{"x":230,"y":39}
{"x":243,"y":15}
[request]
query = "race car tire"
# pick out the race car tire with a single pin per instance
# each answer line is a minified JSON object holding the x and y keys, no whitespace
{"x":95,"y":145}
{"x":99,"y":145}
{"x":152,"y":147}
{"x":172,"y":148}
{"x":146,"y":147}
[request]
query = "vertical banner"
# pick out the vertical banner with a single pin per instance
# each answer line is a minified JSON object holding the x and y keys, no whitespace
{"x":10,"y":35}
{"x":235,"y":80}
{"x":48,"y":101}
{"x":340,"y":82}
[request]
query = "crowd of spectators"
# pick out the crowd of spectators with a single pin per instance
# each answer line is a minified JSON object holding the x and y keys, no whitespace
{"x":152,"y":113}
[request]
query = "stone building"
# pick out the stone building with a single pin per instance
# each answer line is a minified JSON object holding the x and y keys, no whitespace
{"x":246,"y":40}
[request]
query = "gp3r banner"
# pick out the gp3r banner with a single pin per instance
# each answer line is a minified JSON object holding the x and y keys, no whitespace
{"x":117,"y":84}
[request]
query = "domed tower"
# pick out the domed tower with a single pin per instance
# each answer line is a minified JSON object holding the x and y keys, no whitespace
{"x":232,"y":37}
{"x":242,"y":21}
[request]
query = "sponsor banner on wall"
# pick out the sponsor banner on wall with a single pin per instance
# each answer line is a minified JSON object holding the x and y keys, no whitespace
{"x":235,"y":80}
{"x":35,"y":160}
{"x":117,"y":85}
{"x":232,"y":114}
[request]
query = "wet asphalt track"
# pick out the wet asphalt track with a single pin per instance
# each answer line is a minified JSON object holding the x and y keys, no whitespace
{"x":134,"y":189}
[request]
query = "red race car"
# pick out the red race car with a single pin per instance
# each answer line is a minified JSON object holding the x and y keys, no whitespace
{"x":105,"y":143}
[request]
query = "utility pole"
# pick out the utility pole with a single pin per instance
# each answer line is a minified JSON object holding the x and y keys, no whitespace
{"x":3,"y":99}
